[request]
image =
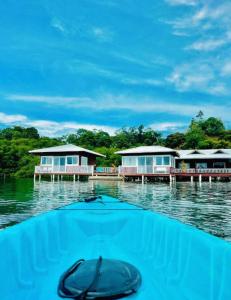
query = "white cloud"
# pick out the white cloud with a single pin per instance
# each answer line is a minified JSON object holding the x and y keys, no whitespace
{"x":11,"y":119}
{"x":207,"y":45}
{"x":50,"y":128}
{"x":58,"y":25}
{"x":168,"y":126}
{"x":183,"y":2}
{"x":142,"y":104}
{"x":197,"y":76}
{"x":147,"y":81}
{"x":226,"y":69}
{"x":102,"y":34}
{"x":210,"y":16}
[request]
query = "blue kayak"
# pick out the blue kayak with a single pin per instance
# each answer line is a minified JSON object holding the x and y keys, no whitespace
{"x":176,"y":261}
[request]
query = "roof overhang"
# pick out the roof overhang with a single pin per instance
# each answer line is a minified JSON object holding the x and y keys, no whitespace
{"x":65,"y":149}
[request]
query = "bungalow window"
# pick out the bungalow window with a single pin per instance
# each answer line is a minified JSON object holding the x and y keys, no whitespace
{"x":72,"y":160}
{"x":201,"y":165}
{"x":166,"y":160}
{"x":129,"y":161}
{"x":162,"y":160}
{"x":219,"y":164}
{"x":84,"y":161}
{"x":159,"y":160}
{"x":46,"y":160}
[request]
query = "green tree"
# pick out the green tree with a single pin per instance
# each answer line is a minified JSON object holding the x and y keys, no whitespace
{"x":175,"y":140}
{"x":193,"y":136}
{"x":213,"y":127}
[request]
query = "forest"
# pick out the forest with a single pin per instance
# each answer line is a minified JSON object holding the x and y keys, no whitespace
{"x":15,"y":142}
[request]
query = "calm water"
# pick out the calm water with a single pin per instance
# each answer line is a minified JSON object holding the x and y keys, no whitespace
{"x":207,"y":206}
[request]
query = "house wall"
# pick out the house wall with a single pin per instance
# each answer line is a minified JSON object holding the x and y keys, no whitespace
{"x":91,"y":157}
{"x":153,"y":155}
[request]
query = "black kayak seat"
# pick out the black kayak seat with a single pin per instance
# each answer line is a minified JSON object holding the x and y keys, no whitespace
{"x":99,"y":279}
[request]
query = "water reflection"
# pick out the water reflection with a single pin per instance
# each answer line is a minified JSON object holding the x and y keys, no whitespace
{"x":206,"y":206}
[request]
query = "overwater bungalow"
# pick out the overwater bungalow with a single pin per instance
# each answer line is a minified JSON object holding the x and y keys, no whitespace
{"x":147,"y":160}
{"x":65,"y":160}
{"x":158,"y":161}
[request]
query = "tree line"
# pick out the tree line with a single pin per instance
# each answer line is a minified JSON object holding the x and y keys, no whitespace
{"x":15,"y":142}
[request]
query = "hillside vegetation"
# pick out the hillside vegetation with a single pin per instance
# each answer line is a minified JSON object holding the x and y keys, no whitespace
{"x":15,"y":142}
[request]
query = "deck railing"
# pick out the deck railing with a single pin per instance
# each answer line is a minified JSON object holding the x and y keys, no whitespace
{"x":170,"y":170}
{"x":106,"y":170}
{"x":64,"y":170}
{"x":202,"y":171}
{"x":143,"y":170}
{"x":122,"y":170}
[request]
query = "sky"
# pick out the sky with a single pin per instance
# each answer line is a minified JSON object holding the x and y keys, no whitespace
{"x":107,"y":64}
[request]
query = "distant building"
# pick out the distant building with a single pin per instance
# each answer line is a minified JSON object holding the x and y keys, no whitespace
{"x":162,"y":161}
{"x":204,"y":159}
{"x":66,"y":159}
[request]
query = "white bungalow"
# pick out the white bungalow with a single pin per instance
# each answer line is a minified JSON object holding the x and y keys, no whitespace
{"x":66,"y":159}
{"x":147,"y":160}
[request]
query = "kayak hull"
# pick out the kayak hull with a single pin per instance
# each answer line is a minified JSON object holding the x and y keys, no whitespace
{"x":176,"y":261}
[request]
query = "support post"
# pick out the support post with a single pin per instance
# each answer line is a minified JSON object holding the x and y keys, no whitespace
{"x":34,"y":177}
{"x":191,"y":179}
{"x":210,"y":179}
{"x":142,"y":179}
{"x":170,"y":178}
{"x":39,"y":177}
{"x":74,"y":177}
{"x":200,"y":178}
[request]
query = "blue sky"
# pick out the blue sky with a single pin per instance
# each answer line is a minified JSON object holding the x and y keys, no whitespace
{"x":105,"y":64}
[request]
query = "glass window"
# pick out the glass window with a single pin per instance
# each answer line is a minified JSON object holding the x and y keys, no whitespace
{"x":141,"y":161}
{"x":46,"y":160}
{"x":201,"y":165}
{"x":129,"y":161}
{"x":166,"y":160}
{"x":84,"y":161}
{"x":219,"y":164}
{"x":72,"y":160}
{"x":149,"y":161}
{"x":159,"y":160}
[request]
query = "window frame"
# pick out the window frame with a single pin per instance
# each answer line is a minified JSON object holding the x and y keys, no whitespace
{"x":130,"y":165}
{"x":219,"y":162}
{"x":46,"y":157}
{"x":72,"y":156}
{"x":162,"y":160}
